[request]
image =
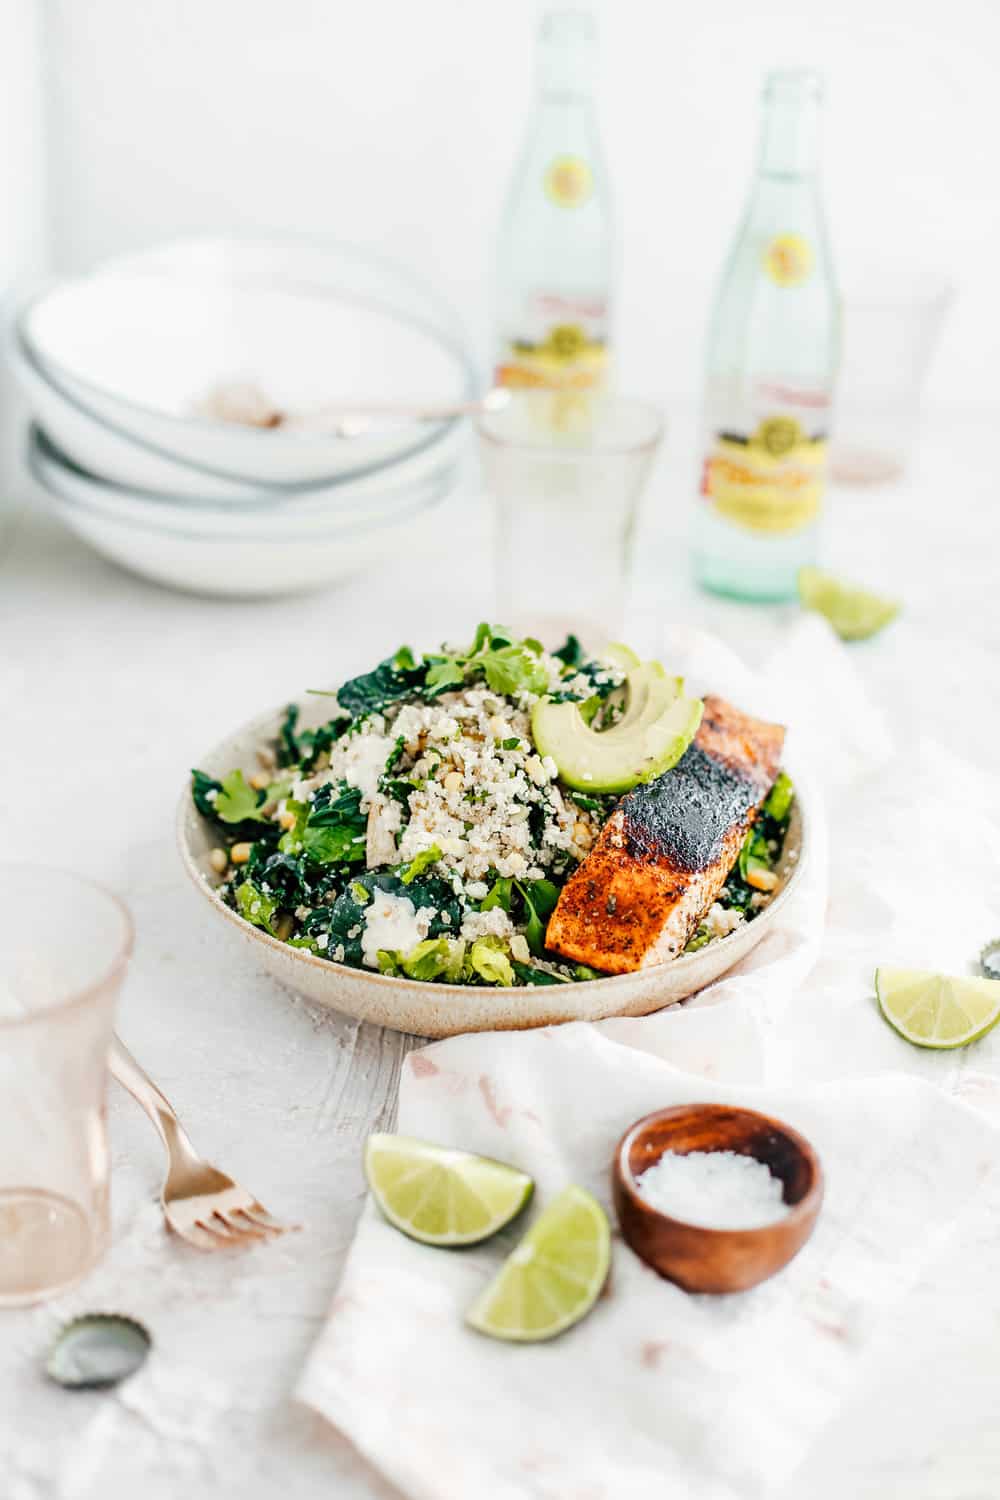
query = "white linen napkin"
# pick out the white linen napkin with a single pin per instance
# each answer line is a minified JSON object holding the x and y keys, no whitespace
{"x":660,"y":1392}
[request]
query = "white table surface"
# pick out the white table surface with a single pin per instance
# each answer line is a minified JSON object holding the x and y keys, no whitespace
{"x":110,"y":688}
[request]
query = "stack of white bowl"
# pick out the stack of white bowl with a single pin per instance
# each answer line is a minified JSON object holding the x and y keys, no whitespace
{"x":117,"y":366}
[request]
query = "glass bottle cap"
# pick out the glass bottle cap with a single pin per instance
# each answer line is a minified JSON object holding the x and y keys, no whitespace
{"x":989,"y":959}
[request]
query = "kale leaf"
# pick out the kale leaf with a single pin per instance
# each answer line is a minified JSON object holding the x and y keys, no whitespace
{"x":571,"y":652}
{"x":527,"y":974}
{"x":391,"y":680}
{"x":201,"y":785}
{"x":604,"y":805}
{"x":343,"y":920}
{"x":303,"y":747}
{"x":288,"y":750}
{"x":335,"y":830}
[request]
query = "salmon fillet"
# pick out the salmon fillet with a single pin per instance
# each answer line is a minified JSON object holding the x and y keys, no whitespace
{"x":666,"y":851}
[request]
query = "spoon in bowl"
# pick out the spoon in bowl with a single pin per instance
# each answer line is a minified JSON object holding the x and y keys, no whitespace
{"x":245,"y":404}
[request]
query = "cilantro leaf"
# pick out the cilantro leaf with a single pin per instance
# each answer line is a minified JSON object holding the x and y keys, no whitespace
{"x":237,"y":802}
{"x":499,"y":894}
{"x":514,"y":669}
{"x":444,"y":672}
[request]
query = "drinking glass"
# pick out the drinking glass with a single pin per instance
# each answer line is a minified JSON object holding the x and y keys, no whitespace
{"x":565,"y":471}
{"x":64,"y":948}
{"x":891,"y":327}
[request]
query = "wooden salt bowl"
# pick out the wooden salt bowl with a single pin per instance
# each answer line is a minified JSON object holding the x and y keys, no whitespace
{"x":716,"y":1260}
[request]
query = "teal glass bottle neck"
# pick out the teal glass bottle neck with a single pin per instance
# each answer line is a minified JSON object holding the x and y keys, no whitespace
{"x":565,"y":61}
{"x":790,"y":131}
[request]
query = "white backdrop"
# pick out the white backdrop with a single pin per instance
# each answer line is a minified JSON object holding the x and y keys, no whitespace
{"x":396,"y":122}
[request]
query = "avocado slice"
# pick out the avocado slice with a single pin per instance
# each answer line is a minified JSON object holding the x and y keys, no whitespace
{"x":651,"y":736}
{"x":617,"y":654}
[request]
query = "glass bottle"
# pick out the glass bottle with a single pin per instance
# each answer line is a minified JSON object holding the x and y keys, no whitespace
{"x":554,"y":252}
{"x":772,"y":358}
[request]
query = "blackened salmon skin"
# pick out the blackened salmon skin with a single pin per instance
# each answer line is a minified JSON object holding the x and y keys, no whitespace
{"x":665,"y":853}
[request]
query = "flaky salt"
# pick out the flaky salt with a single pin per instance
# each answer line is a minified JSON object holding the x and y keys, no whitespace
{"x":714,"y":1189}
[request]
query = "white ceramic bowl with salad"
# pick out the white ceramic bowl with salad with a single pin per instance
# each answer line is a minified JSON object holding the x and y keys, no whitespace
{"x":497,"y":836}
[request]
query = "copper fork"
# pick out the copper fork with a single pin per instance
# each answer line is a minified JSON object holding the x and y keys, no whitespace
{"x":200,"y":1203}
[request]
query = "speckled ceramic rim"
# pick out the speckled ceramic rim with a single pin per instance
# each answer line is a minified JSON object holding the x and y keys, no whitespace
{"x":803,"y":1210}
{"x":111,"y":978}
{"x":454,"y":1008}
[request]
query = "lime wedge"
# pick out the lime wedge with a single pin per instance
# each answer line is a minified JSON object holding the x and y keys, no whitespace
{"x":936,"y":1010}
{"x":854,"y":614}
{"x":442,"y":1197}
{"x":554,"y":1276}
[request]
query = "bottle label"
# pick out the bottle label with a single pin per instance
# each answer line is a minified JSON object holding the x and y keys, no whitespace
{"x":788,"y":259}
{"x":562,"y":345}
{"x":568,"y":181}
{"x":769,"y":480}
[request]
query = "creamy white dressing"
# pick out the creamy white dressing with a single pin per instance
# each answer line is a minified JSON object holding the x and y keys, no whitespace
{"x":361,"y":761}
{"x":394,"y":923}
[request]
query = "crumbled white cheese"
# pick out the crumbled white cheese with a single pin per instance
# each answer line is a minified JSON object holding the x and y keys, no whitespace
{"x":474,"y":798}
{"x":492,"y":923}
{"x":721,"y":921}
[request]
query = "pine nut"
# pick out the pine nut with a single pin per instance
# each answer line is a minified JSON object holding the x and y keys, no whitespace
{"x":259,"y":781}
{"x":218,"y":859}
{"x":240,"y":853}
{"x":287,"y":820}
{"x":453,"y":781}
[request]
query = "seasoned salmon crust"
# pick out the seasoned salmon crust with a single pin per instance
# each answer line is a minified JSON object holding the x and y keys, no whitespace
{"x":668,"y":848}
